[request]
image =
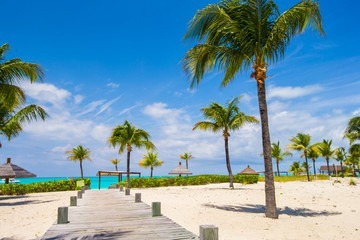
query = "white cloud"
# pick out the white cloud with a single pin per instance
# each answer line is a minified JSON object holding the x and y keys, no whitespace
{"x":78,"y":99}
{"x":106,"y":105}
{"x":113,"y":85}
{"x":91,"y":107}
{"x":292,"y":92}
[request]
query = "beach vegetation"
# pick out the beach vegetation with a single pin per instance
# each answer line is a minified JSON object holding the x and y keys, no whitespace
{"x":325,"y":150}
{"x":150,"y":160}
{"x":278,"y":154}
{"x":296,"y":169}
{"x":301,"y":143}
{"x":313,"y":154}
{"x":79,"y":153}
{"x":233,"y":36}
{"x":115,"y":162}
{"x":340,"y":156}
{"x":127,"y":136}
{"x":352,"y":131}
{"x":295,"y":178}
{"x":225,"y":119}
{"x":352,"y":182}
{"x":186,"y":156}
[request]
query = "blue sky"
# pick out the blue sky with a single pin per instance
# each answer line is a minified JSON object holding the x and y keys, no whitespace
{"x":106,"y":62}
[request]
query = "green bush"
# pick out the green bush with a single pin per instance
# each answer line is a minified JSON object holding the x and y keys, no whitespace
{"x":52,"y":186}
{"x":188,"y":180}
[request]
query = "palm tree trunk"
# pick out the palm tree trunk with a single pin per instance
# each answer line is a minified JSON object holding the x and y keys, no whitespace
{"x":328,"y":167}
{"x":81,"y":169}
{"x":354,"y":167}
{"x":314,"y":168}
{"x":227,"y":156}
{"x":128,"y":169}
{"x":187,"y":167}
{"x":307,"y":166}
{"x":342,"y":169}
{"x":151,"y":172}
{"x":116,"y":168}
{"x":277,"y":167}
{"x":270,"y":201}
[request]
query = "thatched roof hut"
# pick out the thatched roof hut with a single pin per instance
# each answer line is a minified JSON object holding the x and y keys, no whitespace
{"x":249,"y":171}
{"x":9,"y":170}
{"x":179,"y":170}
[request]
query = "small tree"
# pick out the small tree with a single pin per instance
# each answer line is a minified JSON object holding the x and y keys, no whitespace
{"x":79,"y":153}
{"x":301,"y":143}
{"x":312,"y":153}
{"x":278,"y":154}
{"x":296,"y":169}
{"x":186,"y":156}
{"x":150,"y":160}
{"x":340,"y":156}
{"x":326,"y":151}
{"x":115,"y":162}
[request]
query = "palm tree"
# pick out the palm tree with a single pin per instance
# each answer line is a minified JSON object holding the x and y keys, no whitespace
{"x":295,"y":168}
{"x":340,"y":156}
{"x":301,"y":143}
{"x":126,"y":136}
{"x":115,"y":162}
{"x":79,"y":153}
{"x":12,"y":98}
{"x":236,"y":35}
{"x":325,"y":151}
{"x":352,"y":131}
{"x":313,"y":154}
{"x":186,"y":156}
{"x":354,"y":157}
{"x":225,"y":119}
{"x":150,"y":160}
{"x":278,"y":154}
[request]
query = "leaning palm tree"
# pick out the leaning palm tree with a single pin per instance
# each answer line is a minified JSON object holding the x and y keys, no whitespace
{"x":115,"y":162}
{"x":313,"y":154}
{"x":235,"y":35}
{"x":225,"y":119}
{"x":79,"y":153}
{"x":352,"y":131}
{"x":301,"y":143}
{"x":150,"y":160}
{"x":326,"y":151}
{"x":278,"y":154}
{"x":186,"y":156}
{"x":340,"y":156}
{"x":127,"y":136}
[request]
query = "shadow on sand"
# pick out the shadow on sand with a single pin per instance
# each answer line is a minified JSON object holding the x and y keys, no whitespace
{"x":257,"y":208}
{"x":20,"y":200}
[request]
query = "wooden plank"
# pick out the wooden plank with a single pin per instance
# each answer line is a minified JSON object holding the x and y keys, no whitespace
{"x":109,"y":214}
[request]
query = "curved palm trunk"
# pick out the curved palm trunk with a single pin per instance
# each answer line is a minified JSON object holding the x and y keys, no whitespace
{"x":270,"y":201}
{"x":227,"y":156}
{"x":128,"y":169}
{"x":151,"y":172}
{"x":328,"y":167}
{"x":277,"y":167}
{"x":314,"y":168}
{"x":81,"y":169}
{"x":307,"y":166}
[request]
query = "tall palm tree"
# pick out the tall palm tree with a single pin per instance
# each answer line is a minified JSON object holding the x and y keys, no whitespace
{"x":186,"y":156}
{"x":225,"y":119}
{"x":301,"y":143}
{"x":340,"y":156}
{"x":313,"y":154}
{"x":326,"y":151}
{"x":115,"y":162}
{"x":79,"y":153}
{"x":295,"y":168}
{"x":278,"y":154}
{"x":150,"y":160}
{"x":127,"y":136}
{"x":13,"y":114}
{"x":352,"y":131}
{"x":354,"y":157}
{"x":236,"y":35}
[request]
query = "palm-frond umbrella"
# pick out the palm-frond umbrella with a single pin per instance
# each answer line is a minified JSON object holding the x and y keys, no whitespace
{"x":249,"y":171}
{"x":179,"y":170}
{"x":9,"y":170}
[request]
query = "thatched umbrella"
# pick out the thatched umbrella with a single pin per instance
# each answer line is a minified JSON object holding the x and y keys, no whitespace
{"x":9,"y":170}
{"x":179,"y":170}
{"x":249,"y":171}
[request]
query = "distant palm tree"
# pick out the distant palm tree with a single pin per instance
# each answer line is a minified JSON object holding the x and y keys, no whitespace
{"x":301,"y":143}
{"x":278,"y":154}
{"x":326,"y":151}
{"x":186,"y":156}
{"x":126,"y":136}
{"x":115,"y":162}
{"x":340,"y":156}
{"x":352,"y":131}
{"x":225,"y":119}
{"x":150,"y":160}
{"x":354,"y":157}
{"x":79,"y":153}
{"x":237,"y":35}
{"x":13,"y":114}
{"x":296,"y":169}
{"x":313,"y":154}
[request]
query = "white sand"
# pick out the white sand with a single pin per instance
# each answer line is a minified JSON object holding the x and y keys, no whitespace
{"x":315,"y":210}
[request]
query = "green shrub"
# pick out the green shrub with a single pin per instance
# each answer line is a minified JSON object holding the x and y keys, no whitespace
{"x":352,"y":182}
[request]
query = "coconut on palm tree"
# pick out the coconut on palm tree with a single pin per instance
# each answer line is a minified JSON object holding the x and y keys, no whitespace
{"x":301,"y":143}
{"x":150,"y":160}
{"x":127,"y":136}
{"x":225,"y":119}
{"x":186,"y":156}
{"x":278,"y":154}
{"x":79,"y":153}
{"x":115,"y":162}
{"x":13,"y":114}
{"x":234,"y":36}
{"x":325,"y":150}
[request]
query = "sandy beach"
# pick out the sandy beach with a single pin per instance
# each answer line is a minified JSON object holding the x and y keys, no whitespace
{"x":315,"y":210}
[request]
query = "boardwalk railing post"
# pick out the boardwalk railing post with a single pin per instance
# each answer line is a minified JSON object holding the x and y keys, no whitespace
{"x":121,"y":188}
{"x":73,"y":201}
{"x":79,"y":194}
{"x":62,"y":215}
{"x":127,"y":191}
{"x":137,"y":197}
{"x":209,"y":232}
{"x":156,"y":209}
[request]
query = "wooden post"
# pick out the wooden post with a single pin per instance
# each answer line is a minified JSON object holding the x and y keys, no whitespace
{"x":127,"y":191}
{"x":156,"y":209}
{"x":83,"y":190}
{"x":62,"y":215}
{"x":137,"y":197}
{"x":121,"y":188}
{"x":79,"y":194}
{"x":209,"y":232}
{"x":73,"y":201}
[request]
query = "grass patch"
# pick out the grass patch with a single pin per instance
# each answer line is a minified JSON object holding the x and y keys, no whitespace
{"x":295,"y":178}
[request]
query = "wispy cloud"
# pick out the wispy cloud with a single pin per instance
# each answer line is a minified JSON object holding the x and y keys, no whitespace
{"x":113,"y":85}
{"x":107,"y":105}
{"x":91,"y":107}
{"x":292,"y":92}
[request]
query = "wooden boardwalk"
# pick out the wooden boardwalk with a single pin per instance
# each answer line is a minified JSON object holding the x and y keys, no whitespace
{"x":109,"y":214}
